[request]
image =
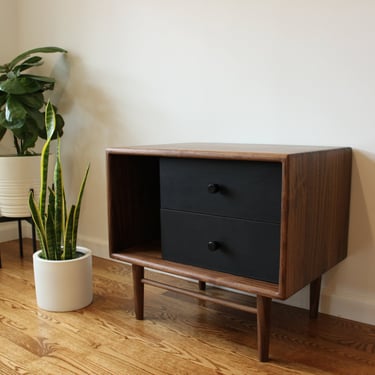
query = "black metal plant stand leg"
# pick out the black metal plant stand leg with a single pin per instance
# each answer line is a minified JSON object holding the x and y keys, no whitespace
{"x":4,"y":219}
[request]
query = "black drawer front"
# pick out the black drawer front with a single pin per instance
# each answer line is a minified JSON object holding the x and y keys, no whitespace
{"x":236,"y":246}
{"x":241,"y":189}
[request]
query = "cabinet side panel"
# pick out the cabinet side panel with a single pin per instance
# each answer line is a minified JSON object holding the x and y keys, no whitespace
{"x":133,"y":195}
{"x":318,"y":214}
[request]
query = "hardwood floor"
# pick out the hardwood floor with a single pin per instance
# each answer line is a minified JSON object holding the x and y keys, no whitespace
{"x":178,"y":336}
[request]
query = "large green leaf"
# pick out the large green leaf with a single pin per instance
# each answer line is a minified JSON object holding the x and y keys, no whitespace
{"x":40,"y":78}
{"x":2,"y":132}
{"x":34,"y":101}
{"x":27,"y":135}
{"x":38,"y":119}
{"x":3,"y":122}
{"x":30,"y":52}
{"x":21,"y":85}
{"x":14,"y":110}
{"x":14,"y":126}
{"x":46,"y":83}
{"x":31,"y":62}
{"x":3,"y":98}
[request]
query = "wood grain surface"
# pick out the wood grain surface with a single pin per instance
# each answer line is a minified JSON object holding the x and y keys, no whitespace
{"x":178,"y":336}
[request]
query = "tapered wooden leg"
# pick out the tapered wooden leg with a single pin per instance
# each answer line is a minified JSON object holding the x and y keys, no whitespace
{"x":202,"y":285}
{"x":314,"y":297}
{"x":263,"y":327}
{"x":138,"y":274}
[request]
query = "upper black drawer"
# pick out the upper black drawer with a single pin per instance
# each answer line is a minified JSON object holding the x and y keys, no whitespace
{"x":242,"y":189}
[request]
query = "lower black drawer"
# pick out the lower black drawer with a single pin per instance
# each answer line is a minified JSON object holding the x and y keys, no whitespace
{"x":236,"y":246}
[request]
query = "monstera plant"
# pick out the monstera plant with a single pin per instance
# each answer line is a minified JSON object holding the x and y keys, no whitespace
{"x":22,"y":101}
{"x":22,"y":110}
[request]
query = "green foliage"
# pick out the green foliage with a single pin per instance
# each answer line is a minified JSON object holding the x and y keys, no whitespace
{"x":57,"y":228}
{"x":22,"y":101}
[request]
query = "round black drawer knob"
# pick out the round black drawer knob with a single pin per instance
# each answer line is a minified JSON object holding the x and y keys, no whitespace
{"x":213,"y":245}
{"x":213,"y":188}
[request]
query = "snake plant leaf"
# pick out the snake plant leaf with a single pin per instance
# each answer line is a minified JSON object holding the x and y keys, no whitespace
{"x":50,"y":121}
{"x":30,"y":52}
{"x":57,"y":229}
{"x":68,"y":250}
{"x":59,"y":195}
{"x":78,"y":209}
{"x":50,"y":128}
{"x":52,"y":246}
{"x":43,"y":177}
{"x":51,"y":199}
{"x":39,"y":224}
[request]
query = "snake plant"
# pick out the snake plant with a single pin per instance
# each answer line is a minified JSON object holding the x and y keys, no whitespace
{"x":56,"y":227}
{"x":22,"y":100}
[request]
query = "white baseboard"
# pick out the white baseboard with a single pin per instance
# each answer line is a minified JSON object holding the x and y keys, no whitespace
{"x":99,"y":247}
{"x":346,"y":305}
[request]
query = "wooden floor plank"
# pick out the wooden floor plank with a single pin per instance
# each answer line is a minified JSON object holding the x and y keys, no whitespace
{"x":179,"y":335}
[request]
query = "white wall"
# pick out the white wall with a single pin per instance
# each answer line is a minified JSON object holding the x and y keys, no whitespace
{"x":8,"y":47}
{"x":8,"y":30}
{"x":255,"y":71}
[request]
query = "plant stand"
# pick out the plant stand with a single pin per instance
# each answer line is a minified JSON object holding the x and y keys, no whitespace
{"x":4,"y":219}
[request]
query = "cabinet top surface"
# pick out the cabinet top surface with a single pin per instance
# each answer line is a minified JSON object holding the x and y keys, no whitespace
{"x":222,"y":150}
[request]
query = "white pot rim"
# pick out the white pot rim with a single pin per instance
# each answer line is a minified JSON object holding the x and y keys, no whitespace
{"x":87,"y":253}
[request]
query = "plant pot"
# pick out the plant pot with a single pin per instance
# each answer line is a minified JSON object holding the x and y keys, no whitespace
{"x":18,"y":174}
{"x":63,"y":285}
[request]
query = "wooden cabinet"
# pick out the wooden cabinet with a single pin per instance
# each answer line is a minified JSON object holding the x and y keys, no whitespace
{"x":261,"y":219}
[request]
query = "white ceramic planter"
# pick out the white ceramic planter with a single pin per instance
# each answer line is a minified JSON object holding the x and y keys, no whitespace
{"x":18,"y":174}
{"x":63,"y":285}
